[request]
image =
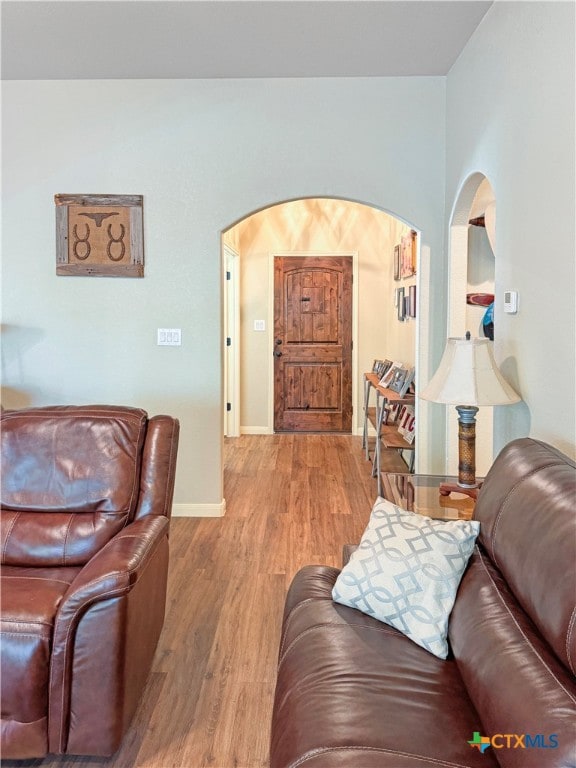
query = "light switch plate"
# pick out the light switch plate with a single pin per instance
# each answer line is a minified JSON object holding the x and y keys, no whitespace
{"x":169,"y":337}
{"x":259,"y":325}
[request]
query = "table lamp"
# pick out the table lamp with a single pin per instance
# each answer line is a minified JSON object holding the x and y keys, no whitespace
{"x":467,"y":378}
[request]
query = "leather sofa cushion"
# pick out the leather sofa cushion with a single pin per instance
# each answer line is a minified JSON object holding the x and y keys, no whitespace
{"x":30,"y":600}
{"x":512,"y":676}
{"x":354,"y":691}
{"x":531,"y":488}
{"x":70,"y":481}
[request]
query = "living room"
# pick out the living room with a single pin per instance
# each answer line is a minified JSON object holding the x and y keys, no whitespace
{"x":206,"y":151}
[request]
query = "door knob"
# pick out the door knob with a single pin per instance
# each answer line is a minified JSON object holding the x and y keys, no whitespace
{"x":278,"y":341}
{"x":277,"y":353}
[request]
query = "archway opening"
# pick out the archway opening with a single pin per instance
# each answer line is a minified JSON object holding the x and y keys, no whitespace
{"x":303,"y":227}
{"x":471,"y":275}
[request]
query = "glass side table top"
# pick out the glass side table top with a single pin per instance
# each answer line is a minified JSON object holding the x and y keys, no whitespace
{"x":419,"y":493}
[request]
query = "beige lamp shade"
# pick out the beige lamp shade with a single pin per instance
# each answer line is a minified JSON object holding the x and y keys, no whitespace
{"x":468,"y":375}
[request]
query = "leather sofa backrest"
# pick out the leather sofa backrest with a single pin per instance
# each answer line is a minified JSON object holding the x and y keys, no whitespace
{"x":70,"y":481}
{"x":527,"y":514}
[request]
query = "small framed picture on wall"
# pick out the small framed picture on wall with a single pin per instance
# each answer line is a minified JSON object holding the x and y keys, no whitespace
{"x":406,"y":306}
{"x":397,"y":260}
{"x":412,"y":295}
{"x":401,"y":304}
{"x":408,"y":250}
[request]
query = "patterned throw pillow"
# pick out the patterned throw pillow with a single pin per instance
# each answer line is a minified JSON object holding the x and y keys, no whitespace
{"x":406,"y":572}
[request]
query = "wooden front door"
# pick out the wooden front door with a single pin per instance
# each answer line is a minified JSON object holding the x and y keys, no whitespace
{"x":313,"y":344}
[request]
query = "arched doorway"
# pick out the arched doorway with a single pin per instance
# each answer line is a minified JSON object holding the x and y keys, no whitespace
{"x":471,"y":272}
{"x":304,"y":227}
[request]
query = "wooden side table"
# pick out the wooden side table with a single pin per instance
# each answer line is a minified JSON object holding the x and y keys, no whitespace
{"x":420,"y":494}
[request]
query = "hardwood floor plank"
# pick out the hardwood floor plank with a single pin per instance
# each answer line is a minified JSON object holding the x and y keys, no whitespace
{"x":291,"y":500}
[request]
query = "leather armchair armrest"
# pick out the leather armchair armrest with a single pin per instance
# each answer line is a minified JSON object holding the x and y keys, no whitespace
{"x":105,"y":635}
{"x":115,"y":567}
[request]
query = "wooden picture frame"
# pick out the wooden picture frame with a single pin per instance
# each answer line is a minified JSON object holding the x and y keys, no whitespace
{"x":99,"y":235}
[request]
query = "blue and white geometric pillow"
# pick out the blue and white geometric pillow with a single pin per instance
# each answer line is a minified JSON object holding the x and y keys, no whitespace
{"x":406,"y":572}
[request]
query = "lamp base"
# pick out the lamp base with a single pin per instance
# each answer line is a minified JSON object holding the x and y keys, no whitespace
{"x":467,"y":445}
{"x":447,"y":488}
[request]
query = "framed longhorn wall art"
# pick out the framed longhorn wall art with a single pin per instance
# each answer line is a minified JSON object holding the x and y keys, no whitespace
{"x":99,"y":235}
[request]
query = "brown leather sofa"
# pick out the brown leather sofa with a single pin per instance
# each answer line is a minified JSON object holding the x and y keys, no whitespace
{"x":353,"y":692}
{"x":86,"y":502}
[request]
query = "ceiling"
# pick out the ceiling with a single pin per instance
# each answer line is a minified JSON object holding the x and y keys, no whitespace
{"x":85,"y":39}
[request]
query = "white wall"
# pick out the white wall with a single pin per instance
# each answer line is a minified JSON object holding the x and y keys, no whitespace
{"x":204,"y":154}
{"x":510,"y":115}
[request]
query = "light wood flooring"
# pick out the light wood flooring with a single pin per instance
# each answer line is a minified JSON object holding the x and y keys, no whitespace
{"x":291,"y":500}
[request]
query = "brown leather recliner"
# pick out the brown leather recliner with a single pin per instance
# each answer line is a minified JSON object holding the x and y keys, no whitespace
{"x":86,"y":501}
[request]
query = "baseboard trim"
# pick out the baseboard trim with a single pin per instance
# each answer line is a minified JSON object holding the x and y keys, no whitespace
{"x":199,"y":510}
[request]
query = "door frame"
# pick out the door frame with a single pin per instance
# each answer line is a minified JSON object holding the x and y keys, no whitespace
{"x":231,"y":353}
{"x":356,"y":416}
